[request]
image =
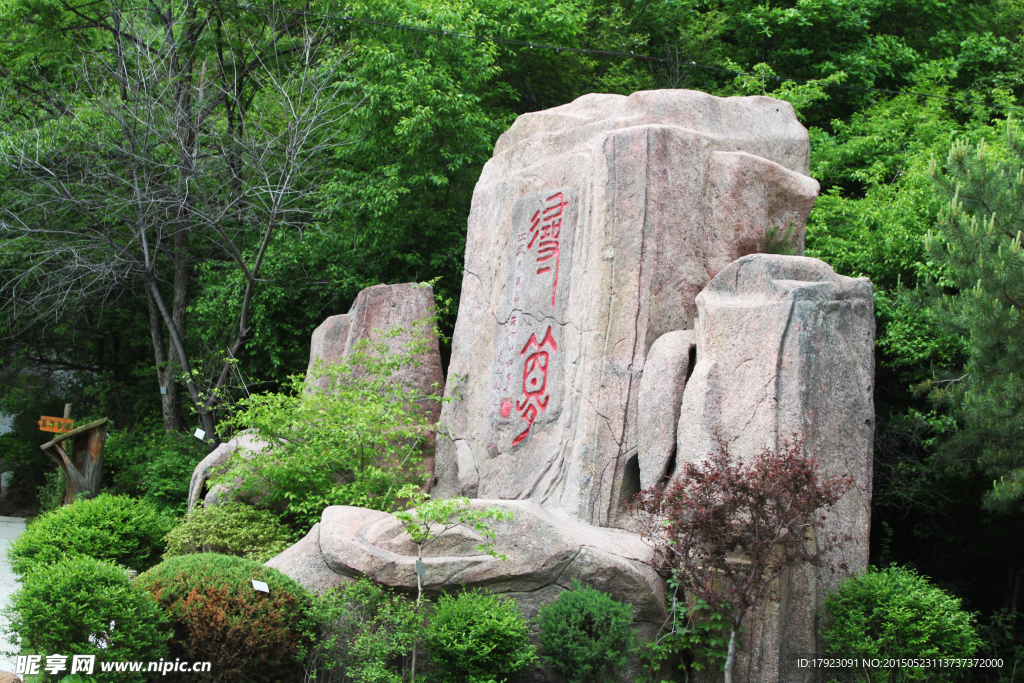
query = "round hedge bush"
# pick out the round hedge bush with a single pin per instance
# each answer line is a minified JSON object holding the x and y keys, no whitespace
{"x":895,"y":613}
{"x":118,"y":529}
{"x":478,"y":637}
{"x":585,"y":635}
{"x":230,"y":529}
{"x":217,"y":616}
{"x":69,"y":609}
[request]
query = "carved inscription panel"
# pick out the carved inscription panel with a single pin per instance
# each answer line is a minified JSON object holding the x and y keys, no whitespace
{"x":528,"y":377}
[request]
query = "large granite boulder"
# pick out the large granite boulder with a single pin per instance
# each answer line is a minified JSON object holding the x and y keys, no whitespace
{"x":592,"y":230}
{"x":785,"y":353}
{"x":546,"y":550}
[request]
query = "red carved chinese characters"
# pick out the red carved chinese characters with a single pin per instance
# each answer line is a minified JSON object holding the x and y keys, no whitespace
{"x":545,"y":229}
{"x":535,"y":381}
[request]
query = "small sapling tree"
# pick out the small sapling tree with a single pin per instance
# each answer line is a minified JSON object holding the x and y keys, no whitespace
{"x":426,"y":521}
{"x":727,"y":530}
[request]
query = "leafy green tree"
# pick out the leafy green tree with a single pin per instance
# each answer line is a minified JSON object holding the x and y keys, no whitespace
{"x":351,"y":433}
{"x":426,"y":521}
{"x":978,"y":242}
{"x":190,"y":141}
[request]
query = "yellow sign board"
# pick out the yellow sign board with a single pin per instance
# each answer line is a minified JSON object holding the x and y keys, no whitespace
{"x":55,"y":424}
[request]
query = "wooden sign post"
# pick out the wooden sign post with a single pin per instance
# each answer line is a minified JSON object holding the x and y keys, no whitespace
{"x":79,"y":453}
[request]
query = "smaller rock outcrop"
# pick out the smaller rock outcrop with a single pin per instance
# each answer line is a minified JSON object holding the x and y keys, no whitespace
{"x":393,"y":315}
{"x":661,"y":394}
{"x":217,"y":458}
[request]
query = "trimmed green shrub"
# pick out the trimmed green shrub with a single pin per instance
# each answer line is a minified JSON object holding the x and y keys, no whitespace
{"x":895,"y":613}
{"x":585,"y":635}
{"x":152,"y":464}
{"x":83,"y":606}
{"x":363,"y":631}
{"x":478,"y":637}
{"x":230,"y":529}
{"x":118,"y":529}
{"x":218,"y":616}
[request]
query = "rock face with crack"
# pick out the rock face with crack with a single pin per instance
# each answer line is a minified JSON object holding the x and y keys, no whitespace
{"x":592,"y":230}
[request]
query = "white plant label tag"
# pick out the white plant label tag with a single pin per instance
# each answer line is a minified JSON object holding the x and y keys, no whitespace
{"x":200,"y":434}
{"x":261,"y":586}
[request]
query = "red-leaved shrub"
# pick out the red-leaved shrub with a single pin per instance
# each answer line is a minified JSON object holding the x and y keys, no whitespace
{"x":248,"y":636}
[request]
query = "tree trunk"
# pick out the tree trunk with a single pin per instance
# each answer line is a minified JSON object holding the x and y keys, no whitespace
{"x":169,"y":406}
{"x":730,"y":660}
{"x":84,"y":466}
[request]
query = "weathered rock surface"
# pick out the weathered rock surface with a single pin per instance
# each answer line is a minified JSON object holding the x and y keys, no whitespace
{"x":661,"y":395}
{"x":546,"y":550}
{"x":592,"y":230}
{"x":784,"y":353}
{"x":305,"y":563}
{"x":375,"y":312}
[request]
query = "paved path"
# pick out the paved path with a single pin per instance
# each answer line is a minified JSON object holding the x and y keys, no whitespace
{"x":10,"y":529}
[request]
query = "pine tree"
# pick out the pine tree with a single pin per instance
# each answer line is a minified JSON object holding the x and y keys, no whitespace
{"x":978,"y":246}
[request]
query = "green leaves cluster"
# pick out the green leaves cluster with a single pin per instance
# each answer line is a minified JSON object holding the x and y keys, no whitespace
{"x":896,"y":613}
{"x":362,"y":629}
{"x":428,"y":520}
{"x":585,"y":635}
{"x":478,"y":637}
{"x":694,"y":638}
{"x":977,"y":243}
{"x":152,"y":464}
{"x":85,"y":606}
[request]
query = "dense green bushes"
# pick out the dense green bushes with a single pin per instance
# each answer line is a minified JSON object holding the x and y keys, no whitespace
{"x":217,"y":616}
{"x":364,"y":634}
{"x":477,"y":637}
{"x":230,"y":529}
{"x":895,"y":613}
{"x":585,"y":635}
{"x":85,"y":606}
{"x":119,"y":529}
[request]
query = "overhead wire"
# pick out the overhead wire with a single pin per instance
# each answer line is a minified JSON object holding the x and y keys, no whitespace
{"x":605,"y":53}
